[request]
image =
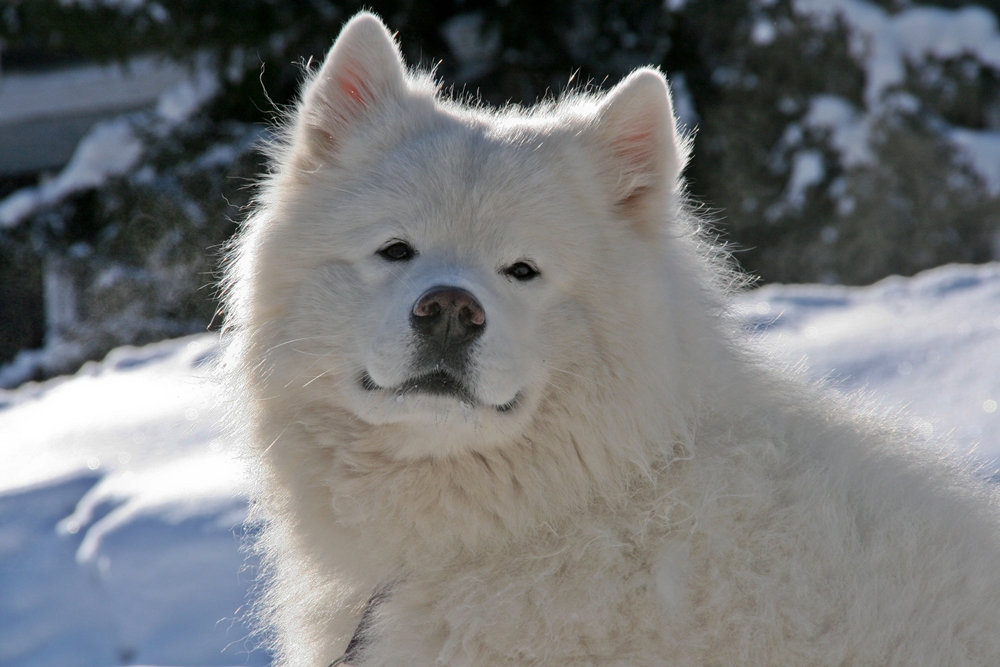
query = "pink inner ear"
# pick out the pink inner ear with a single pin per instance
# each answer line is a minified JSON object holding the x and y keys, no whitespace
{"x":637,"y":149}
{"x":351,"y":85}
{"x":352,"y":100}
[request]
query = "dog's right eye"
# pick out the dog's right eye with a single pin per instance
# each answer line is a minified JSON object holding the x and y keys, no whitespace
{"x":521,"y":271}
{"x":397,"y":251}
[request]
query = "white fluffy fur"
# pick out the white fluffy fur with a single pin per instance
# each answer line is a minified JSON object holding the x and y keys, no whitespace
{"x":658,"y":495}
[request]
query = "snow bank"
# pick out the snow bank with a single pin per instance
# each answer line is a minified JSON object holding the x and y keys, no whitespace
{"x":121,"y":501}
{"x":86,"y":90}
{"x":111,"y":148}
{"x":120,"y":516}
{"x":928,"y":345}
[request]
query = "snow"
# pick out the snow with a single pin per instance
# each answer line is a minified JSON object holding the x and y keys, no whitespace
{"x":848,"y":129}
{"x":181,"y":101}
{"x":946,"y":33}
{"x":807,"y":171}
{"x":981,"y":148}
{"x":88,"y":89}
{"x":121,"y":500}
{"x":120,"y":512}
{"x":125,"y":5}
{"x":111,"y":148}
{"x":927,"y":344}
{"x":883,"y":43}
{"x":154,"y":9}
{"x":763,"y":32}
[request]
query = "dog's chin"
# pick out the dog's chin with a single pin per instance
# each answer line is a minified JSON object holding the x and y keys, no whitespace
{"x":441,"y":414}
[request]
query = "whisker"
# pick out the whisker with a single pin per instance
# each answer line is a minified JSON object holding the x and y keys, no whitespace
{"x":307,"y":369}
{"x":329,"y":370}
{"x":289,"y":342}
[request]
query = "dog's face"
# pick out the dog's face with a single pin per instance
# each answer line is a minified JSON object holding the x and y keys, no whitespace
{"x":454,"y":289}
{"x":444,"y":292}
{"x":438,"y":267}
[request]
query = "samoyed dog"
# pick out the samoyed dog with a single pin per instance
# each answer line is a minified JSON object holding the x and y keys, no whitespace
{"x":499,"y":413}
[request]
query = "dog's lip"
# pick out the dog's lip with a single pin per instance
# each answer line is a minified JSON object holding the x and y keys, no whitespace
{"x":436,"y":382}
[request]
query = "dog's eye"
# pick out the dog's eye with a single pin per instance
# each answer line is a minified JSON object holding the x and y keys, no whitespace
{"x":397,"y":251}
{"x":521,"y":271}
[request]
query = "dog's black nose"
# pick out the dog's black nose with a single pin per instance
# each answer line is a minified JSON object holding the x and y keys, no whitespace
{"x":448,"y":316}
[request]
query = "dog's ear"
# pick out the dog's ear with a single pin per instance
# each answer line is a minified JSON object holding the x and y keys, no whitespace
{"x":362,"y":71}
{"x":640,"y":151}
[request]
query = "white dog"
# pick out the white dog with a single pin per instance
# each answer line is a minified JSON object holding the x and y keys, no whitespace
{"x":500,"y":416}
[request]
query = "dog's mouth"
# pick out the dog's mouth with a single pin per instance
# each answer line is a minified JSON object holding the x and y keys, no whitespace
{"x":437,"y":383}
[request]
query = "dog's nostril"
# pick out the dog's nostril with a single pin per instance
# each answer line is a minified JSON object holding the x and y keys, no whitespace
{"x":426,"y":308}
{"x":472,"y":316}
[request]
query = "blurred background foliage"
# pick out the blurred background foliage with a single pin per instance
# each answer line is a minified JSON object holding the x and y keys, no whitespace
{"x":777,"y":93}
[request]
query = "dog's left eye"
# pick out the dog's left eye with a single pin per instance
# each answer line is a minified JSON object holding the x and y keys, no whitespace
{"x":397,"y":251}
{"x":521,"y":271}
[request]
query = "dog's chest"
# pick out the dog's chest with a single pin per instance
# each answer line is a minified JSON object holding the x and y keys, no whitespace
{"x":550,"y":610}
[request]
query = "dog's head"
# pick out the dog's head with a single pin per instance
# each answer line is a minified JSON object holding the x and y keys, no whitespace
{"x":436,"y":270}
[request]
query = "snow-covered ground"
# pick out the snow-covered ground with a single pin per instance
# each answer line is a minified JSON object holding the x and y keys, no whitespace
{"x":928,"y":344}
{"x":121,"y":503}
{"x":120,"y":517}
